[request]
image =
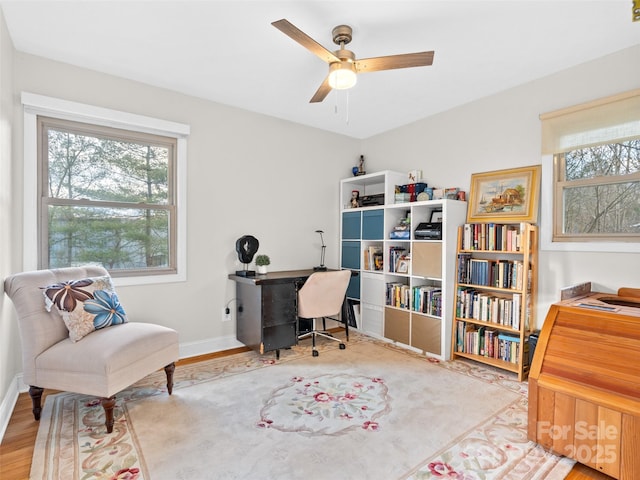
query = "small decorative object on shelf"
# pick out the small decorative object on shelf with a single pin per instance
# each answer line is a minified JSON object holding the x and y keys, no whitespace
{"x":403,"y":229}
{"x":402,"y":266}
{"x":359,"y":169}
{"x":451,"y":193}
{"x":436,"y":216}
{"x":415,"y":176}
{"x":410,"y":192}
{"x":355,"y":199}
{"x":246,"y":247}
{"x":262,"y":262}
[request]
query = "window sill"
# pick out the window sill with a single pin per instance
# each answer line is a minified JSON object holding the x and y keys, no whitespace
{"x":148,"y":279}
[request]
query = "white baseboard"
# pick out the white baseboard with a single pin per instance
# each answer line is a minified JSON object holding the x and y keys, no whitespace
{"x":9,"y":403}
{"x":191,"y":349}
{"x":212,"y":345}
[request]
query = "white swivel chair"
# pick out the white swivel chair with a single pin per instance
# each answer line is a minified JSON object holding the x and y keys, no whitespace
{"x":321,"y":297}
{"x":102,"y":363}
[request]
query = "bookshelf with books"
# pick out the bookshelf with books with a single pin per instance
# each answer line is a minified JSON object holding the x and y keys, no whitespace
{"x":408,"y":300}
{"x":495,"y":294}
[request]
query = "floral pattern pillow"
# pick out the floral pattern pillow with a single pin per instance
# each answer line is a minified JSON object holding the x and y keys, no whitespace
{"x":86,"y":305}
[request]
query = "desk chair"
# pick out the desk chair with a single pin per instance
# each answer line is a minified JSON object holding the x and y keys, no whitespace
{"x":322,"y":296}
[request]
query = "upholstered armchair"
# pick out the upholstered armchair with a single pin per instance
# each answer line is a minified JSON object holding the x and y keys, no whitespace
{"x":92,"y":350}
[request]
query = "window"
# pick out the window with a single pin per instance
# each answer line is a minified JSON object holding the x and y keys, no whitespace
{"x":593,"y":154}
{"x":107,"y":196}
{"x":103,"y":186}
{"x":597,"y":193}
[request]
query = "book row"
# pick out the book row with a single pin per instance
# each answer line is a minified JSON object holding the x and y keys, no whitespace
{"x":481,"y":306}
{"x":492,"y":236}
{"x":486,"y":342}
{"x":490,"y":273}
{"x":398,"y":260}
{"x":426,"y":299}
{"x":372,"y":258}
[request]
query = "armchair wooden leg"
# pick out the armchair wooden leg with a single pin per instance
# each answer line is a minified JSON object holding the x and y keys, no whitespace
{"x":108,"y":404}
{"x":36,"y":400}
{"x":169,"y":369}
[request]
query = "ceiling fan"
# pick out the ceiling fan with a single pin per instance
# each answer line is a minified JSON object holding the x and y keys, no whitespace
{"x":343,"y":65}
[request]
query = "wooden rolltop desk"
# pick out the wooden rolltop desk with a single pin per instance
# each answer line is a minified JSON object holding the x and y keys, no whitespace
{"x":584,"y":383}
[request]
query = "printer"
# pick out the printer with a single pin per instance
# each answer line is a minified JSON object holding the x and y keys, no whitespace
{"x":428,"y":231}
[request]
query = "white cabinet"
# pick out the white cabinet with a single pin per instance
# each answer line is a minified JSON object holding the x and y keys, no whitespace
{"x":404,"y":285}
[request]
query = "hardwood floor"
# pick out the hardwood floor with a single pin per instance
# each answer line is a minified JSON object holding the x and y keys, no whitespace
{"x":16,"y":449}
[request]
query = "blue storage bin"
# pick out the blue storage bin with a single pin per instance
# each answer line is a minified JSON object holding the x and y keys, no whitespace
{"x":373,"y":225}
{"x":353,"y":290}
{"x":351,"y":225}
{"x":351,"y":255}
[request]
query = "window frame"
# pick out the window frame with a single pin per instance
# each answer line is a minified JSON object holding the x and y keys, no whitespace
{"x":35,"y":106}
{"x":547,"y":217}
{"x":605,"y":120}
{"x":45,"y":124}
{"x":560,"y":183}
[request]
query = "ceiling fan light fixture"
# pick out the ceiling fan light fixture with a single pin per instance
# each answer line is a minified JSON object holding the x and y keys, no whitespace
{"x":342,"y":75}
{"x":342,"y":62}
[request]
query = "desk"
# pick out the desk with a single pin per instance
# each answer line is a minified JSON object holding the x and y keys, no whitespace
{"x":267,"y":310}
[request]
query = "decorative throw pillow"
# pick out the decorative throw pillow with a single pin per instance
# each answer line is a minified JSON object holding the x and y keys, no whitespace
{"x":85,"y":305}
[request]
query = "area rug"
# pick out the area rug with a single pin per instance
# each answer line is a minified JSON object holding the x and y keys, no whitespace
{"x":372,"y":411}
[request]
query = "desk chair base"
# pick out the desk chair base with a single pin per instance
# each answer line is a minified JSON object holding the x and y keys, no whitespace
{"x":322,"y":333}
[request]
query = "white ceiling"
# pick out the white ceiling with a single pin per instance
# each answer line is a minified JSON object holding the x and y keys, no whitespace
{"x":228,"y":52}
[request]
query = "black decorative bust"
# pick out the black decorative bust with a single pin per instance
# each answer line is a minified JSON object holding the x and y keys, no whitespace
{"x":246,"y":247}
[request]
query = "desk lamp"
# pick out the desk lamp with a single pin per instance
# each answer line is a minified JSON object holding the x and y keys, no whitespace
{"x":321,"y":267}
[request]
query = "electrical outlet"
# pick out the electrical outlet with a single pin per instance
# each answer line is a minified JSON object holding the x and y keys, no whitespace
{"x":226,"y":317}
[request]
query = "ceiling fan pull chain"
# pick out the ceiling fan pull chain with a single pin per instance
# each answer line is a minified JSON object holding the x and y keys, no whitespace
{"x":347,"y":118}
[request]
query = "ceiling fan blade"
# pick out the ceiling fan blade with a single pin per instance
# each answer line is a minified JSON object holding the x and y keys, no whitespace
{"x":322,"y":92}
{"x":374,"y":64}
{"x":305,"y":40}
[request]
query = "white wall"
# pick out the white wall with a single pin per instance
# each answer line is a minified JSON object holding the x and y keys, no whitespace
{"x":10,"y":363}
{"x":247,"y":174}
{"x":503,"y":131}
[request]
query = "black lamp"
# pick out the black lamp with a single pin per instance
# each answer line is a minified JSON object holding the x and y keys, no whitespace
{"x":321,"y":267}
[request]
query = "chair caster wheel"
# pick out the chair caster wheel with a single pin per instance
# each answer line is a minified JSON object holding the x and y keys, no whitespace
{"x":342,"y":346}
{"x":315,"y":353}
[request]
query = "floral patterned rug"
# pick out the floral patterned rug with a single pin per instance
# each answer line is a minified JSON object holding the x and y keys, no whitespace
{"x":371,"y":411}
{"x":327,"y":404}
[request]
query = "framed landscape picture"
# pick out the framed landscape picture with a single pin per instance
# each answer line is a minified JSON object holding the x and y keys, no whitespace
{"x":505,"y":196}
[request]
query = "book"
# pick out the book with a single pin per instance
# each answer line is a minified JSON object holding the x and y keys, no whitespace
{"x":378,"y":261}
{"x":372,"y":257}
{"x":492,"y":236}
{"x":466,"y":237}
{"x":395,"y":253}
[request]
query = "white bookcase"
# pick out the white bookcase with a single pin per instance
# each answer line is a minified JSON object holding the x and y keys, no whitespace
{"x":430,"y":264}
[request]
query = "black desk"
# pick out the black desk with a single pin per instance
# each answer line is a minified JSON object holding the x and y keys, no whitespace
{"x":266,"y":309}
